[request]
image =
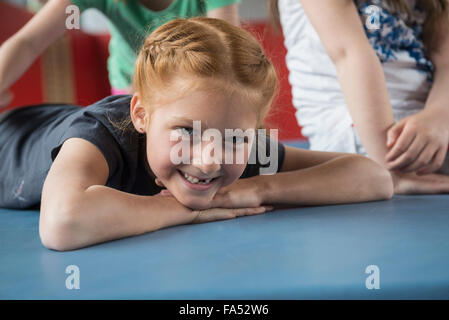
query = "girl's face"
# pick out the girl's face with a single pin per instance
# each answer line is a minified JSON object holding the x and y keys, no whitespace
{"x":194,"y":182}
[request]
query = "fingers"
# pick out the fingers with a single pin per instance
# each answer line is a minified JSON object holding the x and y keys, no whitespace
{"x":250,"y":211}
{"x":215,"y":214}
{"x":165,"y":193}
{"x":426,"y":184}
{"x":423,"y":159}
{"x":159,"y":182}
{"x":394,"y":132}
{"x":401,"y":145}
{"x":432,"y":187}
{"x":435,"y":163}
{"x":220,"y":200}
{"x":404,"y":154}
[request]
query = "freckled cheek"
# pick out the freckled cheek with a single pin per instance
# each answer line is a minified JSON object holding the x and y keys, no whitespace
{"x":158,"y":155}
{"x":233,"y":172}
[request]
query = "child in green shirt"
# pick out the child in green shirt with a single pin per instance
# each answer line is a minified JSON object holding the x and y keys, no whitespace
{"x":129,"y":22}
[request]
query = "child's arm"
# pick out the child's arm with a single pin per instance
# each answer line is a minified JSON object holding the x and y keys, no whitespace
{"x":420,"y":142}
{"x":19,"y":51}
{"x":312,"y":178}
{"x":359,"y":70}
{"x":229,"y":13}
{"x":77,"y":210}
{"x":363,"y":84}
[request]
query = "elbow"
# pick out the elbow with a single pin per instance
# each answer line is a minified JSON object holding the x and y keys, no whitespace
{"x":377,"y":181}
{"x":337,"y":54}
{"x":57,"y":230}
{"x":350,"y":55}
{"x":384,"y":184}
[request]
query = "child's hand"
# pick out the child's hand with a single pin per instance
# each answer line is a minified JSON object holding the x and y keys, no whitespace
{"x":215,"y":214}
{"x":5,"y":98}
{"x":410,"y":183}
{"x":418,"y":143}
{"x":242,"y":193}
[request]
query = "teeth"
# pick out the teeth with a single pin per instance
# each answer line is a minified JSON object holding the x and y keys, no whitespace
{"x":196,"y":180}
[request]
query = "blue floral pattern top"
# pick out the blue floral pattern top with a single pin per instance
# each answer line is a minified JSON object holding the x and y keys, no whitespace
{"x":391,"y":34}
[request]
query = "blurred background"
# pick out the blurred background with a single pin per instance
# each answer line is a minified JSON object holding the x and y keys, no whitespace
{"x":93,"y":21}
{"x":74,"y":69}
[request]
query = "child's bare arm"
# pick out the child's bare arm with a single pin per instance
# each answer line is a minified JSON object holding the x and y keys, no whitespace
{"x":359,"y":70}
{"x":327,"y":179}
{"x":77,"y":210}
{"x":439,"y":95}
{"x":312,"y":178}
{"x":229,"y":13}
{"x":420,"y":142}
{"x":20,"y":51}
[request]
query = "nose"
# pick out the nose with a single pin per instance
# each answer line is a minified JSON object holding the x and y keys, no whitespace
{"x":209,"y":170}
{"x":208,"y":160}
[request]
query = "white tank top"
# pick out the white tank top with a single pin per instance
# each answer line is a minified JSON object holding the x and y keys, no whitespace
{"x":317,"y":95}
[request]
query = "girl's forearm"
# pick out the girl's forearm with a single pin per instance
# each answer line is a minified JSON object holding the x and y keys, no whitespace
{"x":438,"y":99}
{"x":363,"y":84}
{"x":345,"y":179}
{"x":101,"y":214}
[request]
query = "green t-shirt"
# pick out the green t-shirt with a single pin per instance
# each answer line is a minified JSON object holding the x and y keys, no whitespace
{"x":130,"y":22}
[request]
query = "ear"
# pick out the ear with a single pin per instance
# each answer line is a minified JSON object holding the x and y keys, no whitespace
{"x":138,"y":114}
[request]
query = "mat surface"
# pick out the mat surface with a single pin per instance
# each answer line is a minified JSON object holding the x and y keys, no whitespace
{"x":314,"y":252}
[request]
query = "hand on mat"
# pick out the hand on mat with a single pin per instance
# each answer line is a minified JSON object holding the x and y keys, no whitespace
{"x":418,"y":143}
{"x":5,"y":98}
{"x":238,"y":199}
{"x":215,"y":214}
{"x":411,"y":183}
{"x":243,"y":193}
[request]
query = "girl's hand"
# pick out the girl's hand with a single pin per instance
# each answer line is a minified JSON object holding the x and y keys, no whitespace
{"x":411,"y":183}
{"x":5,"y":98}
{"x":216,"y":213}
{"x":242,"y":193}
{"x":418,"y":143}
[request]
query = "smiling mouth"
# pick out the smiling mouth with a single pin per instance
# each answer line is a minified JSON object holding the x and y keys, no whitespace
{"x":194,"y":179}
{"x":197,"y":183}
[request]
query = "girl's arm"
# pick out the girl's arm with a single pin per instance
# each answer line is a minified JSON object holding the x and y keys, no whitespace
{"x":19,"y":52}
{"x":359,"y":70}
{"x":421,"y":141}
{"x":319,"y":178}
{"x":312,"y":178}
{"x":363,"y":84}
{"x":77,"y":210}
{"x":437,"y":101}
{"x":229,"y":13}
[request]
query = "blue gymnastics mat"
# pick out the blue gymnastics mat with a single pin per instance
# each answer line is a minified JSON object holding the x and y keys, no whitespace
{"x":314,"y":252}
{"x":303,"y":253}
